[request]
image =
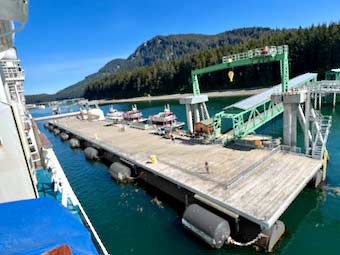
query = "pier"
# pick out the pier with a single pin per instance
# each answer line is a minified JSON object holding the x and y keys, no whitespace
{"x":255,"y":186}
{"x":232,"y":193}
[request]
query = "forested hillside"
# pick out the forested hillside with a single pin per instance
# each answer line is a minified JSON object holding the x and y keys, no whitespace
{"x":159,"y":49}
{"x":314,"y":49}
{"x":171,"y":47}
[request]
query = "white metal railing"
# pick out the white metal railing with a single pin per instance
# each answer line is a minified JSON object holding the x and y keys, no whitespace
{"x":292,"y":149}
{"x":12,"y":69}
{"x":13,"y":78}
{"x":251,"y":168}
{"x":320,"y":124}
{"x":259,"y":52}
{"x":325,"y":87}
{"x":321,"y":127}
{"x":63,"y":186}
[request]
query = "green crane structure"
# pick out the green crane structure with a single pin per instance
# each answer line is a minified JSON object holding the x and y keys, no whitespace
{"x":247,"y":121}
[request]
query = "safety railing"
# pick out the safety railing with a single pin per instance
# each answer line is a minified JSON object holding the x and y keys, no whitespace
{"x":62,"y":185}
{"x":259,"y":52}
{"x":248,"y":121}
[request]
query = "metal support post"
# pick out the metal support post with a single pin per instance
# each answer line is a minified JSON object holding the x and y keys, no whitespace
{"x":196,"y":113}
{"x":315,"y":100}
{"x":195,"y":85}
{"x":189,"y":118}
{"x":307,"y":123}
{"x":206,"y":113}
{"x":320,"y":102}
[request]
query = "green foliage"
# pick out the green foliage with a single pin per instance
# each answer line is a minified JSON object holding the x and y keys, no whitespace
{"x":169,"y":48}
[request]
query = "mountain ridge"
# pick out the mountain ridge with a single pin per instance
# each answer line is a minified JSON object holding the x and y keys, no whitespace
{"x":160,"y":48}
{"x":313,"y":49}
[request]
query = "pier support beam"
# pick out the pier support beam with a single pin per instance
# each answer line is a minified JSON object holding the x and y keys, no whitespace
{"x":289,"y":124}
{"x":196,"y":113}
{"x":320,"y":101}
{"x":315,"y":100}
{"x":307,"y":123}
{"x":189,"y":118}
{"x":291,"y":102}
{"x":196,"y":110}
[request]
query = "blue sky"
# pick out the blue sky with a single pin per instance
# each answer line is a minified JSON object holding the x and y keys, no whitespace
{"x":65,"y":40}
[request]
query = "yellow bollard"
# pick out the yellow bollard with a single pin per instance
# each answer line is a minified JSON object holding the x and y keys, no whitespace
{"x":153,"y":159}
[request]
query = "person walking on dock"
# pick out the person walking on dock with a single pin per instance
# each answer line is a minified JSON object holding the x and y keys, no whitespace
{"x":206,"y":167}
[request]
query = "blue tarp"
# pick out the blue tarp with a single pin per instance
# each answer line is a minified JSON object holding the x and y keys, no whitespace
{"x":34,"y":226}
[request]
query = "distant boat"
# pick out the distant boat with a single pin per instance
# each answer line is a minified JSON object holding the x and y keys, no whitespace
{"x":166,"y":118}
{"x":133,"y":115}
{"x":115,"y":115}
{"x":91,"y":111}
{"x":56,"y":110}
{"x":41,"y":106}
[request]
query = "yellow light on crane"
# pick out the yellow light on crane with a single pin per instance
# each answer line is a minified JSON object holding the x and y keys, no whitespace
{"x":231,"y":76}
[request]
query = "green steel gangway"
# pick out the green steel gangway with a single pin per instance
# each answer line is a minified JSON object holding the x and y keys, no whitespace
{"x":246,"y":121}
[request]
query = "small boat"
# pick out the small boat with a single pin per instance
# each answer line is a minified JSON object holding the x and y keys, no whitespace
{"x":91,"y":111}
{"x":114,"y":115}
{"x":133,"y":115}
{"x":56,"y":110}
{"x":41,"y":106}
{"x":166,"y":118}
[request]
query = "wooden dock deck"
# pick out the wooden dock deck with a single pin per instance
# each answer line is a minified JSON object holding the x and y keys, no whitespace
{"x":256,"y":184}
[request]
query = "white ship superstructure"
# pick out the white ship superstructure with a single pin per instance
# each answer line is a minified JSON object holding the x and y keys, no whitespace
{"x":13,"y":78}
{"x":18,"y":150}
{"x":27,"y":160}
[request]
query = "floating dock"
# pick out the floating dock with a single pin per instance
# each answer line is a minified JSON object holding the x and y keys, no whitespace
{"x":255,"y":185}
